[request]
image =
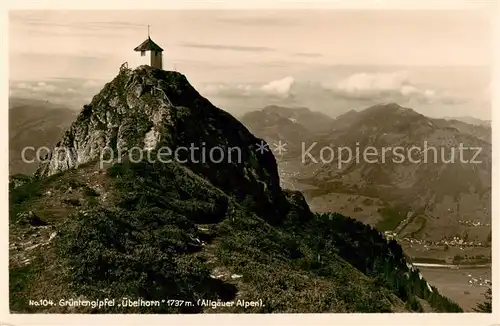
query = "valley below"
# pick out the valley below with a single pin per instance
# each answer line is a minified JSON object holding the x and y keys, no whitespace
{"x":458,"y":284}
{"x":460,"y":270}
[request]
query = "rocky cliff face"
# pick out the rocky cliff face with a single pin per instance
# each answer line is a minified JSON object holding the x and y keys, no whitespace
{"x":149,"y":109}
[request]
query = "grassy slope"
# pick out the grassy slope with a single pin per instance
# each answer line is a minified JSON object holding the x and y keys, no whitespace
{"x":135,"y":230}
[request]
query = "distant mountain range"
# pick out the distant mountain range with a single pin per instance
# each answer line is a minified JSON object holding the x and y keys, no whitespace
{"x":295,"y":125}
{"x":34,"y":124}
{"x":428,"y":199}
{"x":471,"y":120}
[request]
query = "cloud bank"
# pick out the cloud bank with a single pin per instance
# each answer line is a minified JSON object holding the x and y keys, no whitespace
{"x":279,"y":87}
{"x":72,"y":92}
{"x":395,"y":87}
{"x":382,"y":87}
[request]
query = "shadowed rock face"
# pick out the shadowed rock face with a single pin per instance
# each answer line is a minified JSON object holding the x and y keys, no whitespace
{"x":148,"y":109}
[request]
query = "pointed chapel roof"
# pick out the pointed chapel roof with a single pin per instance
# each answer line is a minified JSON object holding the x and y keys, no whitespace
{"x":148,"y":45}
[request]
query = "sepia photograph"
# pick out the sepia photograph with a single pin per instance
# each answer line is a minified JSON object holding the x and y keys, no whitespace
{"x":250,"y":161}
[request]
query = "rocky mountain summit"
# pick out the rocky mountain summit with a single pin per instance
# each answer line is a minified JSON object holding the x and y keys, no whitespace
{"x":149,"y":109}
{"x":193,"y":230}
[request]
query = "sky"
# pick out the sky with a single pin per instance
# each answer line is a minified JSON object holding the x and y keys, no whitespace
{"x":437,"y":62}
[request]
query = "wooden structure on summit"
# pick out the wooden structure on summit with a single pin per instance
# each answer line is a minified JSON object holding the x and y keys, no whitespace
{"x":155,"y":52}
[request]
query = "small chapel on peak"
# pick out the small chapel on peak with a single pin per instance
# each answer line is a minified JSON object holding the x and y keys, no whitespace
{"x":150,"y":48}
